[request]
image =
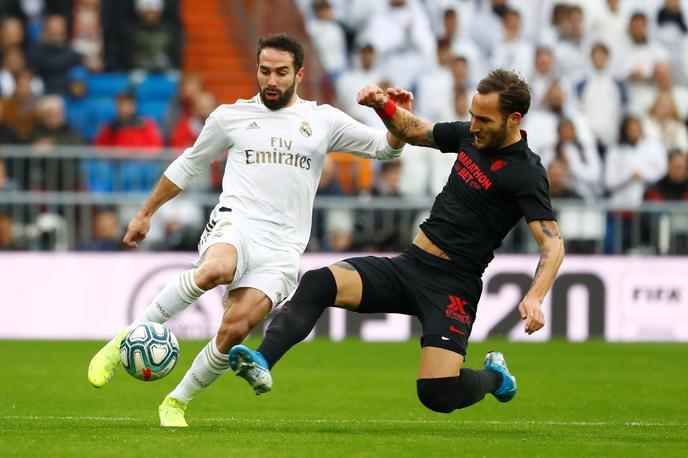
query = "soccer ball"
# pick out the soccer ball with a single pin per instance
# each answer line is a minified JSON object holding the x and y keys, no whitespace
{"x":149,"y":351}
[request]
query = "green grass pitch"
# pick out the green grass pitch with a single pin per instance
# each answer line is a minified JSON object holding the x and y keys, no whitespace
{"x":353,"y":399}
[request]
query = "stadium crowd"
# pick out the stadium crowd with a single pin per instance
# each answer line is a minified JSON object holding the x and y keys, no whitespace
{"x":609,"y":115}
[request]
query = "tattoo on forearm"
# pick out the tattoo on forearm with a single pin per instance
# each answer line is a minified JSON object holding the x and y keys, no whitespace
{"x":552,"y":231}
{"x":407,"y":127}
{"x":544,"y":255}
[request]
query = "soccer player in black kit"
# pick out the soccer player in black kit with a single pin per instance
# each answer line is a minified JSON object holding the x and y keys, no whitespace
{"x":495,"y":181}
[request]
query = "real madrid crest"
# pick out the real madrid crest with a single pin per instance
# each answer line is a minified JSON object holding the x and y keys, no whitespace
{"x":305,"y":129}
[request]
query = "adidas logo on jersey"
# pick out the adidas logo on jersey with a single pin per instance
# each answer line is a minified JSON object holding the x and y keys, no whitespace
{"x":253,"y":125}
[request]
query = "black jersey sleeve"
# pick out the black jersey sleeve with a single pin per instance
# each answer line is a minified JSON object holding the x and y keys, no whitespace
{"x":530,"y":187}
{"x":448,"y":135}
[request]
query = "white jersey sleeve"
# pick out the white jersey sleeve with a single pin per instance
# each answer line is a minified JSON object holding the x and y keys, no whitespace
{"x":209,"y":146}
{"x":351,"y":136}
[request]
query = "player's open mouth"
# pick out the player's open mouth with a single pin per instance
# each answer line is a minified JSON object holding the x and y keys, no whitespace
{"x":272,"y":94}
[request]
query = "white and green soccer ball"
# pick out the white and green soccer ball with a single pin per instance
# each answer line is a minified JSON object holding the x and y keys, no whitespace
{"x":149,"y":351}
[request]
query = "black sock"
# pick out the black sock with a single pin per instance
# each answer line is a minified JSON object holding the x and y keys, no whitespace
{"x":446,"y":394}
{"x":317,"y":290}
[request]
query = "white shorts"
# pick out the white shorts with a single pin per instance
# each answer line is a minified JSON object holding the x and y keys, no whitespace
{"x":274,"y":272}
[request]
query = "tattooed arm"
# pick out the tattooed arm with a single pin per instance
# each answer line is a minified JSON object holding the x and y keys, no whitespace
{"x":551,"y":244}
{"x":404,"y":125}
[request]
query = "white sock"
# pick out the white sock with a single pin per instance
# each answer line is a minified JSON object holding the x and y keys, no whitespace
{"x":174,"y":297}
{"x":208,"y":366}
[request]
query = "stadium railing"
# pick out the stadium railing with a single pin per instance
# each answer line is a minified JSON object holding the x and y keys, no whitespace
{"x":51,"y":196}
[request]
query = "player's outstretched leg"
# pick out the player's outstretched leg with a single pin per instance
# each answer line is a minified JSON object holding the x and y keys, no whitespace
{"x":103,"y":364}
{"x":252,"y":367}
{"x":172,"y":299}
{"x":495,"y":361}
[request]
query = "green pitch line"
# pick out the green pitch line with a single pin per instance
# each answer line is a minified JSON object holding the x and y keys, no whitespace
{"x":353,"y":399}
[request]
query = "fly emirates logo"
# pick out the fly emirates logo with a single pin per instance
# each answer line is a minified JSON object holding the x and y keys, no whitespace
{"x":471,"y":173}
{"x":279,"y":154}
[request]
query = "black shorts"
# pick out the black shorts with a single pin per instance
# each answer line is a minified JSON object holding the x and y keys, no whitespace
{"x":437,"y":291}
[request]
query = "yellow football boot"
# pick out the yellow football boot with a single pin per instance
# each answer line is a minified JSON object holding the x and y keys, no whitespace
{"x":172,"y":413}
{"x":104,"y":363}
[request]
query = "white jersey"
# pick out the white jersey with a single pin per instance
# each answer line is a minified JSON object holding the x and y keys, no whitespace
{"x":274,"y":163}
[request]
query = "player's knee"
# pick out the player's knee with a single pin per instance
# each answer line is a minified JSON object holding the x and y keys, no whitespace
{"x":232,"y":333}
{"x":317,"y":287}
{"x":213,"y":273}
{"x":437,"y":394}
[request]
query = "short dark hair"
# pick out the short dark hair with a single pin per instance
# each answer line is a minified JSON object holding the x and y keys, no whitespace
{"x":514,"y":93}
{"x":283,"y":42}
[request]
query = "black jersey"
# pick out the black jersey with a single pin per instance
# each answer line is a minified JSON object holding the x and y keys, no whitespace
{"x":486,"y":195}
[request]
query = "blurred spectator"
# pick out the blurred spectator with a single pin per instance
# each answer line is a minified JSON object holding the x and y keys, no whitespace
{"x":187,"y":128}
{"x":641,"y":54}
{"x":582,"y":161}
{"x":332,"y":229}
{"x":8,"y":136}
{"x":486,"y":30}
{"x":87,"y":34}
{"x":664,"y":125}
{"x":33,"y":13}
{"x":431,"y":101}
{"x":461,"y":71}
{"x":190,"y":87}
{"x":19,"y":109}
{"x":558,"y":176}
{"x":379,"y":229}
{"x":609,"y":26}
{"x":602,"y":97}
{"x":52,"y":58}
{"x":542,"y":121}
{"x":424,"y":171}
{"x":463,"y":11}
{"x":152,"y":43}
{"x":461,"y":111}
{"x":632,"y":164}
{"x":328,"y":38}
{"x":8,"y":241}
{"x":543,"y":76}
{"x":572,"y":48}
{"x":48,"y":172}
{"x":514,"y":52}
{"x":555,"y":24}
{"x":105,"y":232}
{"x":365,"y":71}
{"x":461,"y":44}
{"x":7,"y":183}
{"x":176,"y":225}
{"x":643,"y":97}
{"x":51,"y":128}
{"x":13,"y":62}
{"x":128,"y":128}
{"x":671,"y":32}
{"x":403,"y":40}
{"x":12,"y":34}
{"x":674,"y":185}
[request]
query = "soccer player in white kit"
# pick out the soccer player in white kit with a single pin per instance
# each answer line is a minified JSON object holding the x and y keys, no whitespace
{"x":277,"y":144}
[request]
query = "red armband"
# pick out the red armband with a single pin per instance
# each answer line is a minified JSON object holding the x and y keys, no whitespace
{"x":387,"y":110}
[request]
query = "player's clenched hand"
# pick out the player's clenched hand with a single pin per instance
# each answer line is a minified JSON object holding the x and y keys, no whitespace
{"x":401,"y":97}
{"x":531,"y":312}
{"x":371,"y":96}
{"x":136,"y":231}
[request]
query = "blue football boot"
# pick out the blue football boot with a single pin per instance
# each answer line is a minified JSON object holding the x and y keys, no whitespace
{"x":494,"y":361}
{"x":252,"y":367}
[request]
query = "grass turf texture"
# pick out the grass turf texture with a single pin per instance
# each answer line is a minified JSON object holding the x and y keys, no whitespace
{"x":353,"y":399}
